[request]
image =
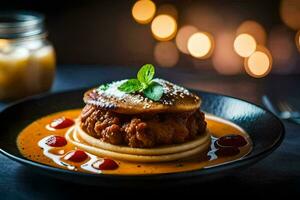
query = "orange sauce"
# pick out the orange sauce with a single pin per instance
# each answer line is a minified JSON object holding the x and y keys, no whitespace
{"x":29,"y":138}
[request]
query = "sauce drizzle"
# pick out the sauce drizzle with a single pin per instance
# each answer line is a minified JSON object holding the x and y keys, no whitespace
{"x":56,"y":141}
{"x":107,"y":164}
{"x":42,"y":143}
{"x":231,"y":140}
{"x":55,"y":158}
{"x":61,"y":123}
{"x":76,"y":156}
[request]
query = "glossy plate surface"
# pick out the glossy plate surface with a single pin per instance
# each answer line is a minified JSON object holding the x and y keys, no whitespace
{"x":265,"y":130}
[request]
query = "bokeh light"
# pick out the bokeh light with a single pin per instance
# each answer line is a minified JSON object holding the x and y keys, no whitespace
{"x":200,"y":45}
{"x":297,"y":40}
{"x":166,"y":54}
{"x":143,"y":11}
{"x":290,"y":13}
{"x":255,"y":29}
{"x":4,"y":44}
{"x":259,"y":63}
{"x":164,"y":27}
{"x":168,"y":9}
{"x":224,"y":59}
{"x":244,"y":45}
{"x":182,"y":37}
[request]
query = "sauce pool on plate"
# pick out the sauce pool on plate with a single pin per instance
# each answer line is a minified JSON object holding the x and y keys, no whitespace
{"x":44,"y":141}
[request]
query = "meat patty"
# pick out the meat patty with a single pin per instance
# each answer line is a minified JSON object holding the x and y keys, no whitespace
{"x":142,"y":131}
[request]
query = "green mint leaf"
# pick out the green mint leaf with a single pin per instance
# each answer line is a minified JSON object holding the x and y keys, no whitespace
{"x":144,"y":85}
{"x":154,"y":91}
{"x":130,"y":86}
{"x":145,"y":74}
{"x":104,"y":86}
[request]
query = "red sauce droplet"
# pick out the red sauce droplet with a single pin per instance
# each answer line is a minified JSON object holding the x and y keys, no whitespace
{"x":56,"y":141}
{"x":76,"y":156}
{"x":227,"y":151}
{"x":108,"y":164}
{"x":61,"y":123}
{"x":231,"y":141}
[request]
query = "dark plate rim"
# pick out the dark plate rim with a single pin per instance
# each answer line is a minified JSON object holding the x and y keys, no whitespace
{"x":187,"y":174}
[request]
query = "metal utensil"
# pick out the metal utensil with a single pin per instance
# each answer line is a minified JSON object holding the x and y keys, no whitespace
{"x":287,"y":111}
{"x":284,"y":110}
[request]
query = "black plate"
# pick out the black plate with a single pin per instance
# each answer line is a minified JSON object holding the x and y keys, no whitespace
{"x":265,"y":130}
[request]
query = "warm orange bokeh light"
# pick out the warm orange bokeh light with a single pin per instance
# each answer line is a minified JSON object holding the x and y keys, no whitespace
{"x":255,"y":29}
{"x":244,"y":45}
{"x":4,"y":43}
{"x":290,"y":13}
{"x":259,"y":63}
{"x":182,"y":37}
{"x":224,"y":59}
{"x":297,"y":40}
{"x":166,"y":54}
{"x":200,"y":45}
{"x":164,"y":27}
{"x":143,"y":11}
{"x":168,"y":9}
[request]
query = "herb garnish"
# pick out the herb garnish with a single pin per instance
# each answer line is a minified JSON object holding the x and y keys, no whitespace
{"x":144,"y":83}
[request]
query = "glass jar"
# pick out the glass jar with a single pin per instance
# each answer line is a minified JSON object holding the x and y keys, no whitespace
{"x":27,"y":59}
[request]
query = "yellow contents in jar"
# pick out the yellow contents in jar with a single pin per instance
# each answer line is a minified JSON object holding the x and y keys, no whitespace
{"x":25,"y":69}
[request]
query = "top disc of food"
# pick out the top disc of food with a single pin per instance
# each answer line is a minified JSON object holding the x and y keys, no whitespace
{"x":173,"y":99}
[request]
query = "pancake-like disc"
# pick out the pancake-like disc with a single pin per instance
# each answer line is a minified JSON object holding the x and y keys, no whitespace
{"x":174,"y":99}
{"x":136,"y":158}
{"x":166,"y":149}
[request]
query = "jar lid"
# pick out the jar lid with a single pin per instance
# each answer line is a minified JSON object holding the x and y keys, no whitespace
{"x":20,"y":24}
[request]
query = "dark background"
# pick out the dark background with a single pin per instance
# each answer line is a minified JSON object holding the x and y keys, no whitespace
{"x":89,"y":35}
{"x":104,"y":32}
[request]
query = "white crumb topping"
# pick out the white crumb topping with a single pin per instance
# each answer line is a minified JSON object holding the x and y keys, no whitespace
{"x":171,"y":88}
{"x":171,"y":92}
{"x":113,"y":90}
